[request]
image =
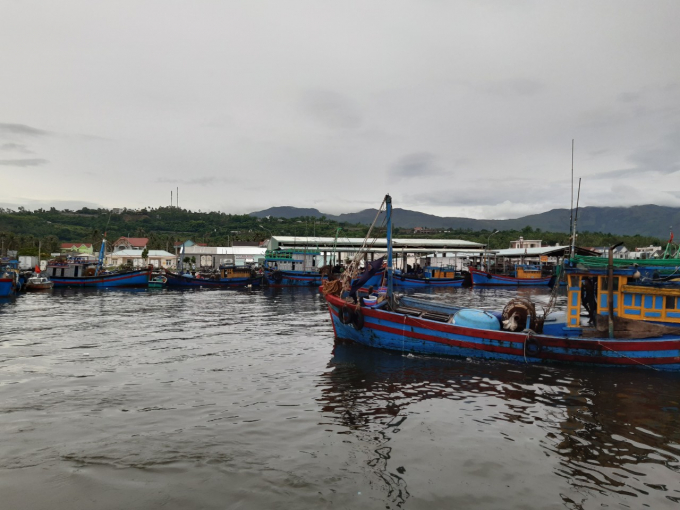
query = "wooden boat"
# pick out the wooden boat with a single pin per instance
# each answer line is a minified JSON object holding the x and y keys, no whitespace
{"x":292,"y":267}
{"x":38,"y":283}
{"x":157,"y":282}
{"x":431,"y":277}
{"x":88,"y":272}
{"x":524,"y":275}
{"x":10,"y":282}
{"x":519,"y":333}
{"x":228,"y":277}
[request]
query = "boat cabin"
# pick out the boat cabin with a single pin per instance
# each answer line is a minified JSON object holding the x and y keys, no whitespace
{"x":631,"y":299}
{"x":72,"y":267}
{"x":528,"y":271}
{"x":291,"y":260}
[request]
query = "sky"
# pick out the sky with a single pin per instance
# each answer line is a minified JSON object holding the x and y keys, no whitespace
{"x":455,"y":108}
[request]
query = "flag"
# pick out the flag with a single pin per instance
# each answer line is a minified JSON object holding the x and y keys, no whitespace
{"x":37,"y":269}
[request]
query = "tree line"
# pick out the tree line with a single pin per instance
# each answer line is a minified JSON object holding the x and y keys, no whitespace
{"x":24,"y":230}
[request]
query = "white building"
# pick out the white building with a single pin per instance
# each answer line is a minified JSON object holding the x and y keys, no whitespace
{"x":157,"y":258}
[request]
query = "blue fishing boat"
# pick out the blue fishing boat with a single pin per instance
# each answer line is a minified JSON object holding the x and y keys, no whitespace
{"x":228,"y":277}
{"x":88,"y":272}
{"x":430,"y":277}
{"x":292,"y":267}
{"x":523,"y":275}
{"x":10,"y":279}
{"x":629,"y":325}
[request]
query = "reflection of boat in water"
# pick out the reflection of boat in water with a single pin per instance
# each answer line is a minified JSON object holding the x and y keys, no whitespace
{"x":431,"y":277}
{"x":620,"y":336}
{"x":577,"y":430}
{"x":38,"y":283}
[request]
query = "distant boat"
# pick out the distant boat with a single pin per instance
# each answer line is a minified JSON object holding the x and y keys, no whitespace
{"x":292,"y":268}
{"x":38,"y":283}
{"x":229,"y":276}
{"x":157,"y":282}
{"x":633,"y":325}
{"x":87,"y":272}
{"x":443,"y":278}
{"x":523,"y":275}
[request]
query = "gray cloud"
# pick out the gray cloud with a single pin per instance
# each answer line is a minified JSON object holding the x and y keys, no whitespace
{"x":21,"y":130}
{"x":197,"y":181}
{"x":663,"y":160}
{"x":23,"y":162}
{"x":331,"y":109}
{"x":509,"y":88}
{"x":415,"y":165}
{"x":16,"y":147}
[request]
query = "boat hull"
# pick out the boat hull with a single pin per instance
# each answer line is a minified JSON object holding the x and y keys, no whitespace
{"x":7,"y":287}
{"x":176,"y":280}
{"x":293,"y":278}
{"x":484,"y":279}
{"x":131,"y":279}
{"x":406,"y":281}
{"x":415,"y":335}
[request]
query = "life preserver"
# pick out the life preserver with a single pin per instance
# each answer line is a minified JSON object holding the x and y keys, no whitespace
{"x":346,"y":315}
{"x":90,"y":271}
{"x":277,"y":276}
{"x":532,"y":347}
{"x":358,"y":320}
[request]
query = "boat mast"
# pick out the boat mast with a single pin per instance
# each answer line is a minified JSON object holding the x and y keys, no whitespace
{"x":573,"y":230}
{"x":571,"y":214}
{"x":100,"y":261}
{"x":388,"y":208}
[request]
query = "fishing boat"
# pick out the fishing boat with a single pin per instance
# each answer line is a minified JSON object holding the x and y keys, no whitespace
{"x":38,"y":283}
{"x":523,"y":275}
{"x":292,"y":267}
{"x":228,"y":277}
{"x":88,"y":272}
{"x":10,"y":281}
{"x":157,"y":282}
{"x":631,"y":325}
{"x":430,"y":277}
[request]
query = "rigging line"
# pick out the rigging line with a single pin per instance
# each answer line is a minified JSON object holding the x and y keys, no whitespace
{"x":627,"y":357}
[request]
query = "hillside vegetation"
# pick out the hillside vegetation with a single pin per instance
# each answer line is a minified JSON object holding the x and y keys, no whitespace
{"x":23,"y":230}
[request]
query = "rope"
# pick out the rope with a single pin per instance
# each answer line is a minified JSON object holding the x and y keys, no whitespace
{"x":627,"y":357}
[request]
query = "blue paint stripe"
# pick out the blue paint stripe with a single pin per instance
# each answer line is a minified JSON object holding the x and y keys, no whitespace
{"x":631,"y":311}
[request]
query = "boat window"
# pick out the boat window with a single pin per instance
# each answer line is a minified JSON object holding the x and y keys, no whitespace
{"x":574,"y":281}
{"x":605,"y":284}
{"x":671,"y":302}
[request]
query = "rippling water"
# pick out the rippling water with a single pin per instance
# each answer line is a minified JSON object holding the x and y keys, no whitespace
{"x":229,"y":399}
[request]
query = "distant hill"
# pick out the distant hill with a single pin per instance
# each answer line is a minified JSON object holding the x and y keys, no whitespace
{"x":647,"y":220}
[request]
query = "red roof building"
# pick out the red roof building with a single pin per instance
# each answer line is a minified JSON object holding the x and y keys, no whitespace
{"x":130,"y":243}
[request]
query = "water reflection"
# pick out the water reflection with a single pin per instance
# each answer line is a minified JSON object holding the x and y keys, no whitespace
{"x":608,"y":434}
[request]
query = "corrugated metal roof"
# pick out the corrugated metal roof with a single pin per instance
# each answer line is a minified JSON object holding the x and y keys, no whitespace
{"x":327,"y":243}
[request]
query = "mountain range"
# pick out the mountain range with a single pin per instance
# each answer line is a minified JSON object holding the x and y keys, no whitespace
{"x":647,"y":220}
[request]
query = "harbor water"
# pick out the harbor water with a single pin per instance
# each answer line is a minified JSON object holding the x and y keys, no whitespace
{"x":208,"y":399}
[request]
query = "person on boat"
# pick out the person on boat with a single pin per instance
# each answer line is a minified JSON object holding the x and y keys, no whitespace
{"x":588,"y":299}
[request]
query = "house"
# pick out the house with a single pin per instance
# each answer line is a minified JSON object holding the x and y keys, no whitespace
{"x":522,"y":243}
{"x":620,"y":252}
{"x":647,"y":252}
{"x":186,"y":244}
{"x":423,"y":230}
{"x":130,"y":243}
{"x":133,"y":257}
{"x":77,"y":247}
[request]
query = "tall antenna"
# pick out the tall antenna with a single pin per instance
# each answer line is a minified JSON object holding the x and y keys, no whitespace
{"x":177,"y":197}
{"x":571,"y":214}
{"x":573,"y":237}
{"x":170,"y":198}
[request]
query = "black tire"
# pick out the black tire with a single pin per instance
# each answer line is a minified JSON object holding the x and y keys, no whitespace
{"x":346,"y":315}
{"x":532,"y":347}
{"x":358,"y":320}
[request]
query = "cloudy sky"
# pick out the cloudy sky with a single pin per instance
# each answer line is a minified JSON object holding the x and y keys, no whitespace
{"x":456,"y":108}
